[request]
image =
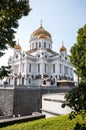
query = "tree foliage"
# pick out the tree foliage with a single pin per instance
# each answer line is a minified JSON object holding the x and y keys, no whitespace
{"x":78,"y":53}
{"x":76,"y":100}
{"x":4,"y":71}
{"x":10,"y":12}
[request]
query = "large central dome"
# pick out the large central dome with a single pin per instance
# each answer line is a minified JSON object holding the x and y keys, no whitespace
{"x":40,"y":39}
{"x":41,"y":33}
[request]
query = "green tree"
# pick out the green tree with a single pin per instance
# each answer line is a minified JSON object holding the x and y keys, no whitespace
{"x":10,"y":12}
{"x":78,"y":53}
{"x":76,"y":98}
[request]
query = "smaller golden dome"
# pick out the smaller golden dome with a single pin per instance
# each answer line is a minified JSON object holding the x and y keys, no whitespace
{"x":18,"y":47}
{"x":63,"y":48}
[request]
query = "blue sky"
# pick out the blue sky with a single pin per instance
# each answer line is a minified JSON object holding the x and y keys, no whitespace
{"x":61,"y":18}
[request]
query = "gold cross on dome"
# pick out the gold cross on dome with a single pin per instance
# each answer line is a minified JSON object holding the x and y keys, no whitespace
{"x":41,"y":22}
{"x":62,"y":43}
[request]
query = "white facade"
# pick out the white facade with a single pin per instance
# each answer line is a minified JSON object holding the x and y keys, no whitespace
{"x":40,"y":62}
{"x":52,"y":105}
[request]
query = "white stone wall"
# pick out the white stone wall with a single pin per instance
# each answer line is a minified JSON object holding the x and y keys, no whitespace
{"x":52,"y":105}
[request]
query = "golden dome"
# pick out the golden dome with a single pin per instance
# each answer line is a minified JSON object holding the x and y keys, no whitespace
{"x":42,"y":36}
{"x":18,"y":47}
{"x":41,"y":33}
{"x":63,"y":48}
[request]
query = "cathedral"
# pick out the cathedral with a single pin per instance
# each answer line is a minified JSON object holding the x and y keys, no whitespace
{"x":39,"y":65}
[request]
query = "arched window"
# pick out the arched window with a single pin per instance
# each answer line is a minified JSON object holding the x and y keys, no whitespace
{"x":54,"y":81}
{"x":39,"y":44}
{"x":38,"y":67}
{"x":44,"y":44}
{"x":29,"y":80}
{"x":60,"y":68}
{"x":45,"y":68}
{"x":65,"y":58}
{"x":49,"y":46}
{"x":30,"y":67}
{"x":36,"y":44}
{"x":53,"y":68}
{"x":9,"y":81}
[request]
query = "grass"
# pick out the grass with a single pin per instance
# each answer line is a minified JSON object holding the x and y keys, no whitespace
{"x":55,"y":123}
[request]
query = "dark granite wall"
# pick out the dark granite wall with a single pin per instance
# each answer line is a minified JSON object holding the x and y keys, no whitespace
{"x":26,"y":101}
{"x":6,"y":101}
{"x":22,"y":100}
